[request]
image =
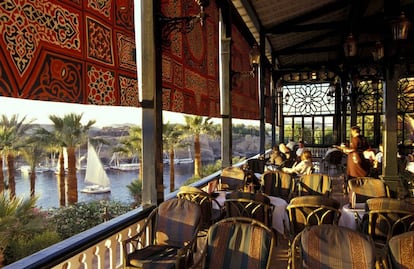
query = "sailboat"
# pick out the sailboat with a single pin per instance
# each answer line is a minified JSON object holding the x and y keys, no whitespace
{"x":117,"y":165}
{"x":95,"y":175}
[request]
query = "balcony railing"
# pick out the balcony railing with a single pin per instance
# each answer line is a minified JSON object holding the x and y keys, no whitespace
{"x":99,"y":247}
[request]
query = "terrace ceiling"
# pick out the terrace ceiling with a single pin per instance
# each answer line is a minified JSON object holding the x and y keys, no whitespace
{"x":307,"y":35}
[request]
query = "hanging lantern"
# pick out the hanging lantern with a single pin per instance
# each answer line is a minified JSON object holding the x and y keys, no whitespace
{"x":255,"y":56}
{"x":378,"y":52}
{"x":400,"y":28}
{"x":123,"y":4}
{"x":350,"y":46}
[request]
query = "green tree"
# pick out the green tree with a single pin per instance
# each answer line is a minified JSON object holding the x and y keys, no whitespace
{"x":130,"y":145}
{"x":18,"y":220}
{"x":70,"y":134}
{"x":49,"y":141}
{"x":135,"y":190}
{"x":12,"y":140}
{"x":5,"y":133}
{"x":171,"y":137}
{"x":197,"y":125}
{"x":32,"y":152}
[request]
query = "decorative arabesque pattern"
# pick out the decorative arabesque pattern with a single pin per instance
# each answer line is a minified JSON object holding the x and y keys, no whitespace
{"x":369,"y":97}
{"x":190,"y":62}
{"x":102,"y":86}
{"x":64,"y":50}
{"x":406,"y":95}
{"x":99,"y":42}
{"x":60,"y":79}
{"x":129,"y":91}
{"x":25,"y":25}
{"x":101,"y":6}
{"x":309,"y":99}
{"x":126,"y":52}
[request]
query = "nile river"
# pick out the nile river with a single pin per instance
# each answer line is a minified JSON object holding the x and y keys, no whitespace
{"x":46,"y":185}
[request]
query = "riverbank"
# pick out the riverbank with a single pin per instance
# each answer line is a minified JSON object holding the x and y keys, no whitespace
{"x":47,"y":189}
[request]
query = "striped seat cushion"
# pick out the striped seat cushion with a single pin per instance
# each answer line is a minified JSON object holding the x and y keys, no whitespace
{"x":401,"y":249}
{"x":331,"y":246}
{"x":237,"y":245}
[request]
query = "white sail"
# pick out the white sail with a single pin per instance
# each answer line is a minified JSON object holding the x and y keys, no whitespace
{"x":95,"y":173}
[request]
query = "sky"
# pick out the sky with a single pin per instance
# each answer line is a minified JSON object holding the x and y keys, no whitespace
{"x":39,"y":111}
{"x":104,"y":115}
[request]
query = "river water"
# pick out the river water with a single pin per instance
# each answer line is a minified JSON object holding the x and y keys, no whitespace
{"x":47,"y":191}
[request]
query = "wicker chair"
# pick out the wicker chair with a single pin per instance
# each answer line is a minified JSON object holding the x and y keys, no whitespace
{"x":251,"y":205}
{"x":400,"y":251}
{"x":311,"y":210}
{"x":307,"y":211}
{"x":313,"y":184}
{"x":173,"y":227}
{"x":332,"y":246}
{"x":363,"y":188}
{"x":232,"y":178}
{"x":278,"y":184}
{"x":238,"y":242}
{"x":386,"y":218}
{"x":208,"y":212}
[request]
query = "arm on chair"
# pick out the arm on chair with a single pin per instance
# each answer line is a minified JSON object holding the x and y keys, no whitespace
{"x":136,"y":241}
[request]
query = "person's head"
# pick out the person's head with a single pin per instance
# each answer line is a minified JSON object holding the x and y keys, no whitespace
{"x":306,"y":155}
{"x":355,"y":130}
{"x":283,"y":148}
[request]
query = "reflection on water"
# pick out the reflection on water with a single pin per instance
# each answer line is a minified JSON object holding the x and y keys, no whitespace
{"x":47,"y":191}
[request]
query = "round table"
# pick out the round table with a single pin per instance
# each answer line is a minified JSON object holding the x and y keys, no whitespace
{"x":279,"y":214}
{"x":349,"y":216}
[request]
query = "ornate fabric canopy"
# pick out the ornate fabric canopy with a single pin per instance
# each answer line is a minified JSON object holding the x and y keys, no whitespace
{"x":84,"y":52}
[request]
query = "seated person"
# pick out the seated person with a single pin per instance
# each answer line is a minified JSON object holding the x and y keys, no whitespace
{"x":410,"y":163}
{"x":299,"y":151}
{"x":275,"y":157}
{"x":304,"y":167}
{"x":290,"y":157}
{"x":378,"y":160}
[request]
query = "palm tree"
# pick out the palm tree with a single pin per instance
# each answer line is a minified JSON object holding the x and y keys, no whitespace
{"x":70,"y":133}
{"x":171,"y":136}
{"x":196,"y":125}
{"x":5,"y":134}
{"x":130,"y":145}
{"x":18,"y":219}
{"x":33,"y":152}
{"x":50,"y":143}
{"x":12,"y":140}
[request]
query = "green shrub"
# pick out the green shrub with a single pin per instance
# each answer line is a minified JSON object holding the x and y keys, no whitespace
{"x":82,"y":216}
{"x":135,"y":190}
{"x":23,"y":247}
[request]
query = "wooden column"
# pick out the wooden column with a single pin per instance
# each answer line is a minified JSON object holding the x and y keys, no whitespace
{"x":390,"y":166}
{"x":148,"y":53}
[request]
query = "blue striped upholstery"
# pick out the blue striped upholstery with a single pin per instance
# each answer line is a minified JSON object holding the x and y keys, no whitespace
{"x":311,"y":210}
{"x":329,"y":246}
{"x":240,"y":243}
{"x":233,"y":177}
{"x":278,"y":184}
{"x":314,"y":184}
{"x":401,"y":251}
{"x":388,"y":217}
{"x":175,"y":226}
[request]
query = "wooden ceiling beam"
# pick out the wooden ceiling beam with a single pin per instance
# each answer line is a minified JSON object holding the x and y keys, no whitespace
{"x":326,"y":9}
